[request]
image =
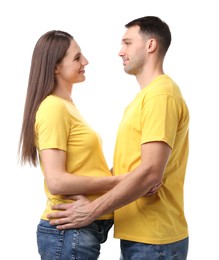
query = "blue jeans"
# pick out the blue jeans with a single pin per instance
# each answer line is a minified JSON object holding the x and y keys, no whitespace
{"x":140,"y":251}
{"x":71,"y":244}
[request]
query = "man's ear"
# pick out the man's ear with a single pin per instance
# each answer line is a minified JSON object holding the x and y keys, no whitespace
{"x":151,"y":45}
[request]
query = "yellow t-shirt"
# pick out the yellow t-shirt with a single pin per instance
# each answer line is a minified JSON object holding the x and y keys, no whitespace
{"x":158,"y":113}
{"x":59,"y":125}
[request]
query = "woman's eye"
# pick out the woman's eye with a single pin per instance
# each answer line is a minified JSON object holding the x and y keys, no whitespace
{"x":77,"y":58}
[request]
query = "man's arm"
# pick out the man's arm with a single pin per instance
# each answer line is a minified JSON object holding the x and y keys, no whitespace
{"x":154,"y":157}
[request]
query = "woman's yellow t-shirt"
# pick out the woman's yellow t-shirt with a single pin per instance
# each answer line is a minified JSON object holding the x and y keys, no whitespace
{"x":59,"y":125}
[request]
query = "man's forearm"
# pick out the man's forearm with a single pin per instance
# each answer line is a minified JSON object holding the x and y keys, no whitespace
{"x":133,"y":186}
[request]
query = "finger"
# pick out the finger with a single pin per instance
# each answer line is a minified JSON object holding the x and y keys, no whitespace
{"x":58,"y":214}
{"x":68,"y":226}
{"x":149,"y":194}
{"x":152,"y":193}
{"x":64,"y":206}
{"x":155,"y":188}
{"x":75,"y":197}
{"x":61,"y":221}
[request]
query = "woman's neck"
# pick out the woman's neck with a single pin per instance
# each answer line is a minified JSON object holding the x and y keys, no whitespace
{"x":63,"y":92}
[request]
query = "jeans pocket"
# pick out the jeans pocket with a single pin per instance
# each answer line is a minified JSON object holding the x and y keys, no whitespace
{"x":49,"y":240}
{"x":100,"y":229}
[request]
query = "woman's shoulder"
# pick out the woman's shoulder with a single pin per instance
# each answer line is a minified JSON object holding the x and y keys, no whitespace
{"x":52,"y":106}
{"x":52,"y":102}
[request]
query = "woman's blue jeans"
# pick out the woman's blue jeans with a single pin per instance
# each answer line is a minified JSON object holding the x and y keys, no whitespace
{"x":72,"y":244}
{"x":140,"y":251}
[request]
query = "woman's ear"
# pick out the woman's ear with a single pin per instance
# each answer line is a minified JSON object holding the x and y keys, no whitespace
{"x":56,"y":69}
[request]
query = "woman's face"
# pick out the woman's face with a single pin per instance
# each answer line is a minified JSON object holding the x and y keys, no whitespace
{"x":72,"y":67}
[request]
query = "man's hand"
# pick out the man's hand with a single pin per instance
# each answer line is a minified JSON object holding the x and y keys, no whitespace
{"x":72,"y":215}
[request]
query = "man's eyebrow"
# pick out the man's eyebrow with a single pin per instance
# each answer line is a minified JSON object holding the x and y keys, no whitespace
{"x":126,"y":39}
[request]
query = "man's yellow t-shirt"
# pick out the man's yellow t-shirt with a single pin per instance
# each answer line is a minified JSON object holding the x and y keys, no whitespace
{"x":59,"y":125}
{"x":158,"y":113}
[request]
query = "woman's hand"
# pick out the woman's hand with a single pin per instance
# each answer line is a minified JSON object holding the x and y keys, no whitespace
{"x":153,"y":190}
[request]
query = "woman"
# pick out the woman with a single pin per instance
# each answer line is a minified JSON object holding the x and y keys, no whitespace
{"x":69,"y":151}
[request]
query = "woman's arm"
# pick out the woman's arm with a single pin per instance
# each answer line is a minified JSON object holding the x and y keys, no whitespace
{"x":154,"y":157}
{"x":63,"y":183}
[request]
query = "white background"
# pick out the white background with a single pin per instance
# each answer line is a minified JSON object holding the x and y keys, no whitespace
{"x":192,"y":61}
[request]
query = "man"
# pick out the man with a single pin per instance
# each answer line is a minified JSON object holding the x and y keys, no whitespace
{"x":152,"y":145}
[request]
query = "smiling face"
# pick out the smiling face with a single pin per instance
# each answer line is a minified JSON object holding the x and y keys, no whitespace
{"x":133,"y":51}
{"x":71,"y":69}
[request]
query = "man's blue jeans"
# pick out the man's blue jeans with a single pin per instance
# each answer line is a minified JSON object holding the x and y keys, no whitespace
{"x":140,"y":251}
{"x":72,"y":244}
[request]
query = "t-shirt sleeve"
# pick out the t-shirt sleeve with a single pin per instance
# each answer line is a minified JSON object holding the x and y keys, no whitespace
{"x":160,"y":119}
{"x":52,"y":127}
